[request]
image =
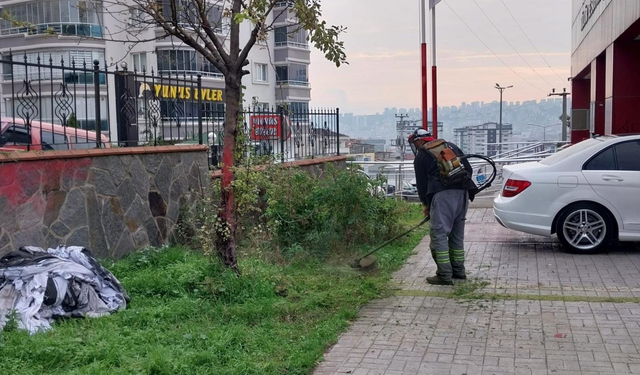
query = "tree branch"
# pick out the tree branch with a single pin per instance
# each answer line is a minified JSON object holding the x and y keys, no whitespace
{"x":254,"y":34}
{"x":210,"y":31}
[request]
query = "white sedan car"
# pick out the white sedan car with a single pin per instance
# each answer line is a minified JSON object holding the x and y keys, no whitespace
{"x":588,"y":194}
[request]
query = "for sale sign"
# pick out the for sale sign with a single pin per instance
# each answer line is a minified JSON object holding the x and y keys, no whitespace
{"x":269,"y":127}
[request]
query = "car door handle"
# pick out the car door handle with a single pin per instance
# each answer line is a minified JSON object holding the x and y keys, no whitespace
{"x":612,"y":178}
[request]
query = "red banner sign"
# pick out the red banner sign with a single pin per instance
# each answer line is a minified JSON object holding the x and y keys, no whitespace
{"x":268,"y":127}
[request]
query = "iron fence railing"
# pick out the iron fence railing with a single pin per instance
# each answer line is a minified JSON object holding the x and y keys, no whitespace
{"x":400,"y":175}
{"x":80,"y":104}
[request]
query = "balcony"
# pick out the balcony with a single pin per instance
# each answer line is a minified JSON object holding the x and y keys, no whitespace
{"x":189,"y":73}
{"x":79,"y":29}
{"x":285,"y":55}
{"x":185,"y":63}
{"x":283,"y":4}
{"x":69,"y":65}
{"x":288,"y":93}
{"x":296,"y":82}
{"x":291,"y":36}
{"x":303,"y":45}
{"x":81,"y":18}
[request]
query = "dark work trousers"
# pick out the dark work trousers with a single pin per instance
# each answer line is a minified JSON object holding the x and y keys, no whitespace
{"x":448,"y":214}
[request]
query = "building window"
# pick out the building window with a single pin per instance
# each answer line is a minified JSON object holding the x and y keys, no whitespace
{"x":292,"y":36}
{"x":298,"y":111}
{"x":262,"y":107}
{"x":292,"y":74}
{"x":284,"y":4}
{"x":139,"y":62}
{"x":136,"y":17}
{"x":179,"y":109}
{"x":84,"y":108}
{"x":80,"y":59}
{"x":83,"y":18}
{"x":172,"y":62}
{"x":188,"y":14}
{"x":261,"y":74}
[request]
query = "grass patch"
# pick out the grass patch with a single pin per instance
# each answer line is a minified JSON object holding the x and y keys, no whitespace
{"x":475,"y":295}
{"x":469,"y":288}
{"x":189,"y":316}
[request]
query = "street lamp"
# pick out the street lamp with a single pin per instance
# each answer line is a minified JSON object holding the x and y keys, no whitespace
{"x":501,"y":89}
{"x":545,"y":129}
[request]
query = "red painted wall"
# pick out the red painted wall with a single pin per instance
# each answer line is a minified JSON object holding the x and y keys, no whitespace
{"x":626,"y":87}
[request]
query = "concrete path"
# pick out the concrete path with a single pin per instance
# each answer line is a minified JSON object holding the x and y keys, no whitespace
{"x":546,"y":312}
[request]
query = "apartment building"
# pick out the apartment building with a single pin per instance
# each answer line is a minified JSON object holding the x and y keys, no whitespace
{"x":44,"y":31}
{"x":483,"y":139}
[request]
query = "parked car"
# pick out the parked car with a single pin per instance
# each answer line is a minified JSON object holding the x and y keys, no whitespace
{"x":15,"y":136}
{"x":409,"y":192}
{"x":373,"y":186}
{"x":587,"y":194}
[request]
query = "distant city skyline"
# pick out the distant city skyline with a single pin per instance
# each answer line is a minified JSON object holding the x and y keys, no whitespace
{"x":382,"y":123}
{"x":382,"y":48}
{"x":410,"y":110}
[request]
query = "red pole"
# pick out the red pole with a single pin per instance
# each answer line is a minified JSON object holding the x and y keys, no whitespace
{"x":423,"y":53}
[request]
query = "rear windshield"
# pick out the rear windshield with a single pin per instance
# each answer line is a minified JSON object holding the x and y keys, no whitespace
{"x":14,"y":135}
{"x":572,"y":150}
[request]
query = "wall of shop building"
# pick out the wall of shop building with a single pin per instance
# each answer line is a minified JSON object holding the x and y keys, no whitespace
{"x":605,"y":63}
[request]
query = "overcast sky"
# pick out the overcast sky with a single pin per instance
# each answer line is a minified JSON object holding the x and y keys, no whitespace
{"x":382,"y":44}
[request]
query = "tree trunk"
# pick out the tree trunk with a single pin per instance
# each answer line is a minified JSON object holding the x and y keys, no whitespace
{"x":226,"y":230}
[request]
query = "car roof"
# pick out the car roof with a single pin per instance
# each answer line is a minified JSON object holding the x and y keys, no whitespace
{"x":59,"y":129}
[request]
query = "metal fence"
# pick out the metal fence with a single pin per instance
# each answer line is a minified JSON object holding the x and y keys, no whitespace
{"x":400,"y":175}
{"x":52,"y":104}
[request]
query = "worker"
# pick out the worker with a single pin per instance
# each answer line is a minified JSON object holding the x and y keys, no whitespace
{"x":445,"y":187}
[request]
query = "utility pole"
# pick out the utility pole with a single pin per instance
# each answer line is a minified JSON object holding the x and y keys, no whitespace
{"x":564,"y":117}
{"x":401,"y":143}
{"x":501,"y":89}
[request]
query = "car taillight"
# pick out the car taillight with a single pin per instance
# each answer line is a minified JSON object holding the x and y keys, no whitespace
{"x":514,"y":187}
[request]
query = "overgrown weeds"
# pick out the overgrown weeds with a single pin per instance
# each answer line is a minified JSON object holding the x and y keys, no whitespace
{"x":289,"y":212}
{"x":191,"y":315}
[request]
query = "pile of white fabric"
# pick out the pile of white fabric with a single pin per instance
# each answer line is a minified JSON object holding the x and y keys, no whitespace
{"x":38,"y":286}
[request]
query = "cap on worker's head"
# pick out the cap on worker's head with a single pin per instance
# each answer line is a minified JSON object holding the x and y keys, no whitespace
{"x":420,"y":134}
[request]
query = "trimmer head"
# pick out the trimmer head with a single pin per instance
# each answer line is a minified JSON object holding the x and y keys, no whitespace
{"x":365,"y":262}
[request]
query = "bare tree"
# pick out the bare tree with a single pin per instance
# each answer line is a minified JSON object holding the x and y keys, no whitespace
{"x":212,"y":28}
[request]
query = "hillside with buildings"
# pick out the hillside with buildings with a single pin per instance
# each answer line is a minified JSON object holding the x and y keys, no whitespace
{"x":518,"y":114}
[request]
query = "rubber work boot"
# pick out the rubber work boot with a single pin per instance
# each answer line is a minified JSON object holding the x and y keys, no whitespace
{"x":457,"y":264}
{"x":439,"y":280}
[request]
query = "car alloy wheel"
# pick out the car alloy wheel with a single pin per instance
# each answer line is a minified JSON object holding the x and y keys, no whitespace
{"x":584,"y":229}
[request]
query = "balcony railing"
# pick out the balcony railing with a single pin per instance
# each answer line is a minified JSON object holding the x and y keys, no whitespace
{"x":190,"y":73}
{"x":283,"y":4}
{"x":65,"y":28}
{"x":293,"y":44}
{"x":290,"y":82}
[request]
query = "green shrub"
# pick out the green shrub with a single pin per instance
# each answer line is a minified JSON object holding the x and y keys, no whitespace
{"x":327,"y":212}
{"x":298,"y":213}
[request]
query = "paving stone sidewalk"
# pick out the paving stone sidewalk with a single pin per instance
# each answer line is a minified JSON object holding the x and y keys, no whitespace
{"x":417,"y":333}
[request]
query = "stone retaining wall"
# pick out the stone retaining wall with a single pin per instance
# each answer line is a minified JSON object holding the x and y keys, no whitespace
{"x":111,"y":201}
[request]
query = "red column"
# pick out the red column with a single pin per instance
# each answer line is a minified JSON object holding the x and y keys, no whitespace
{"x":623,"y":87}
{"x":580,"y":100}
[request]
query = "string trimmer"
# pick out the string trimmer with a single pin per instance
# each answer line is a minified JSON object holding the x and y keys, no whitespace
{"x":369,"y":259}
